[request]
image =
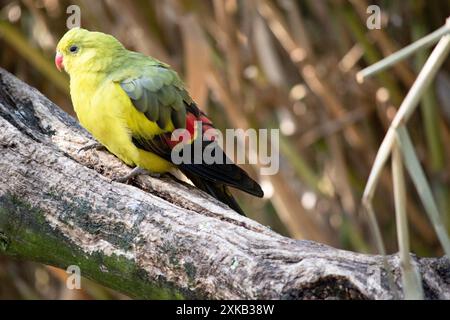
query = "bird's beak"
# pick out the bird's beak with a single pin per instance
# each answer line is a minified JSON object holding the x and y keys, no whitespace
{"x":59,"y":61}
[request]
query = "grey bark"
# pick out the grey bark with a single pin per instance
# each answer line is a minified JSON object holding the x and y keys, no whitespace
{"x":157,"y":238}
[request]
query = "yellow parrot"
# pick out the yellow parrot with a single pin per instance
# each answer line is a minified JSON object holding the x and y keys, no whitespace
{"x":131,"y":103}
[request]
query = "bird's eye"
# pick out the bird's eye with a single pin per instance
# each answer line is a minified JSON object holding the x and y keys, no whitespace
{"x":73,"y":49}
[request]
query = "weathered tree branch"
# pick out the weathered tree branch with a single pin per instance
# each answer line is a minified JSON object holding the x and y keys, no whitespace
{"x":159,"y":238}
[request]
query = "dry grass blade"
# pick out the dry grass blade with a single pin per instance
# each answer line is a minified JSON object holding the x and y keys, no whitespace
{"x":373,"y":223}
{"x":412,"y":287}
{"x":408,"y":106}
{"x":424,"y":42}
{"x":267,"y":53}
{"x":418,"y":176}
{"x":197,"y":59}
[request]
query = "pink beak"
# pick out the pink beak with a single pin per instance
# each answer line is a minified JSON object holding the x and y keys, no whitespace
{"x":59,"y":61}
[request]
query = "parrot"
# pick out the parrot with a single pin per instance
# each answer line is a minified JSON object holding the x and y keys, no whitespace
{"x":132,"y":103}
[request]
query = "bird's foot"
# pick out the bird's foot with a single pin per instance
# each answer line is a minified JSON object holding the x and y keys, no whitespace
{"x":134,"y":173}
{"x":94,"y":145}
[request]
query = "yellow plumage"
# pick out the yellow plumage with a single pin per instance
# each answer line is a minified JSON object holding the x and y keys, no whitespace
{"x":106,"y":111}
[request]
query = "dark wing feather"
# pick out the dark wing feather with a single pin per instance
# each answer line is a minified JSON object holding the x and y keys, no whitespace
{"x":225,"y":172}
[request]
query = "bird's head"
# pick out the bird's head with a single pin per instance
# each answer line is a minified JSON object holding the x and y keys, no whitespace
{"x":80,"y":49}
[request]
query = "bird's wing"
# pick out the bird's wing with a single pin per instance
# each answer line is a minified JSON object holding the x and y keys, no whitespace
{"x":158,"y":93}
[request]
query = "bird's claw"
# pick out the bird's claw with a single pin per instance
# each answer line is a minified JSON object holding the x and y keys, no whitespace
{"x":95,"y":145}
{"x":134,"y":173}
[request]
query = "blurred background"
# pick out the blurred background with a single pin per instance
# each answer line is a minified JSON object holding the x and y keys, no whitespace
{"x":283,"y":64}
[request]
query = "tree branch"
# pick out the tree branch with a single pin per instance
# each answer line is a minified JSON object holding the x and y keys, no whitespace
{"x":158,"y":238}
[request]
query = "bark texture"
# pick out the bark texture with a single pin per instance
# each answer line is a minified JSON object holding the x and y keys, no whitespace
{"x":157,"y":238}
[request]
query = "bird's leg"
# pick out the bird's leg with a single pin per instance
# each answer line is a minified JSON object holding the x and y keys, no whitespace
{"x":137,"y":171}
{"x":94,"y":145}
